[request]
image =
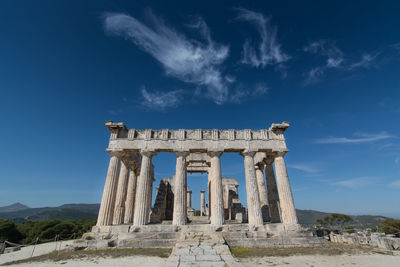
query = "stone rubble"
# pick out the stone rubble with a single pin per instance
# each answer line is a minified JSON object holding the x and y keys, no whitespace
{"x":379,"y":240}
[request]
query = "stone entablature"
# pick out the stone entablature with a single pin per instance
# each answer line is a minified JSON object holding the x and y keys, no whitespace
{"x":198,"y":139}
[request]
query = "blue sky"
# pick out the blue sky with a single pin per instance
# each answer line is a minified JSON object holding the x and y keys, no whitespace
{"x":331,"y":70}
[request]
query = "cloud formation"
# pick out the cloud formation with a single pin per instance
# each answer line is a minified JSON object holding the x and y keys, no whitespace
{"x":158,"y":100}
{"x":304,"y":167}
{"x":268,"y":51}
{"x":357,"y":182}
{"x":240,"y":94}
{"x":362,"y":138}
{"x":192,"y":61}
{"x":364,"y":62}
{"x":335,"y":59}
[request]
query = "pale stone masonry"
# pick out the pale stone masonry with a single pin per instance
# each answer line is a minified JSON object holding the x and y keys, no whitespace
{"x":128,"y":188}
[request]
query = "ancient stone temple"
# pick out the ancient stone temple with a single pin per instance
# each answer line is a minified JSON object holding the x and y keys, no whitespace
{"x":128,"y":188}
{"x":127,"y":217}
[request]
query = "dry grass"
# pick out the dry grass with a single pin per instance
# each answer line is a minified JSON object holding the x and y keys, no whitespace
{"x":93,"y":254}
{"x":328,"y":249}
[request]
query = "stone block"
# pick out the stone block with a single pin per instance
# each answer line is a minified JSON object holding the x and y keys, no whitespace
{"x":208,"y":258}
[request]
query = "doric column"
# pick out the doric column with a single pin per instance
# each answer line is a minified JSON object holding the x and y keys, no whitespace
{"x":202,"y":203}
{"x":189,"y":198}
{"x":180,"y":209}
{"x":217,"y":203}
{"x":253,"y":199}
{"x":130,"y":196}
{"x":106,"y":211}
{"x":285,"y":192}
{"x":273,"y":197}
{"x":142,"y":192}
{"x":262,"y":191}
{"x":120,"y":198}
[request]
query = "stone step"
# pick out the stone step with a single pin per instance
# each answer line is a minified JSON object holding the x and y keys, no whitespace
{"x":201,"y":249}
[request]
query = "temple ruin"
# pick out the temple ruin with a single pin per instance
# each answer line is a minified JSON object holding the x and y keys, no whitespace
{"x":128,"y":218}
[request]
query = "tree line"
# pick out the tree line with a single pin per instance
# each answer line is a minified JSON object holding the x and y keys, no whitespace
{"x":28,"y":232}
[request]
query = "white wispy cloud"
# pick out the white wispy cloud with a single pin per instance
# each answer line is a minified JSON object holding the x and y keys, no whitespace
{"x":395,"y":184}
{"x":192,"y":61}
{"x":362,"y":138}
{"x":356,"y":182}
{"x":397,"y":161}
{"x":268,"y":51}
{"x":308,"y":168}
{"x":239,"y":95}
{"x":160,"y":100}
{"x":365,"y":61}
{"x":335,"y":59}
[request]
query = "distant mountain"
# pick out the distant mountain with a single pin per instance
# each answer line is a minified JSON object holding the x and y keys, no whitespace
{"x":20,"y":213}
{"x":13,"y":207}
{"x":63,"y":212}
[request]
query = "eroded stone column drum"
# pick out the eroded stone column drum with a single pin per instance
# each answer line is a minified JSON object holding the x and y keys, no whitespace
{"x":130,"y":198}
{"x":273,"y":197}
{"x":217,"y":203}
{"x":253,"y":199}
{"x":107,"y":205}
{"x":142,"y":193}
{"x":180,"y":208}
{"x":286,"y":202}
{"x":262,"y":192}
{"x":120,"y":198}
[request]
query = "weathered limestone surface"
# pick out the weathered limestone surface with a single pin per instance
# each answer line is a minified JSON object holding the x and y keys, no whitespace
{"x":288,"y":211}
{"x":106,"y":211}
{"x":130,"y":197}
{"x":119,"y":211}
{"x":273,"y":198}
{"x":253,"y":199}
{"x":180,"y":206}
{"x":202,"y":203}
{"x":217,"y":204}
{"x":262,"y":192}
{"x":202,"y":250}
{"x":142,"y":197}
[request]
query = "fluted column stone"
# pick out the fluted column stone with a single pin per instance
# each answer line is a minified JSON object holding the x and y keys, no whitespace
{"x":273,"y":197}
{"x":286,"y":202}
{"x":119,"y":210}
{"x":130,"y":197}
{"x":217,"y":203}
{"x":180,"y":197}
{"x":202,"y":203}
{"x":142,"y":193}
{"x":106,"y":211}
{"x":253,"y":198}
{"x":262,"y":191}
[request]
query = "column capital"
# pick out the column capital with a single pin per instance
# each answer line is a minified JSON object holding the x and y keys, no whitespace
{"x":189,"y":191}
{"x":280,"y":153}
{"x":116,"y":153}
{"x":248,"y":153}
{"x":214,"y":153}
{"x":181,"y":153}
{"x":202,"y":191}
{"x":148,"y":153}
{"x":269,"y":159}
